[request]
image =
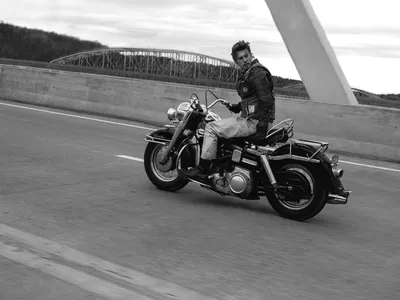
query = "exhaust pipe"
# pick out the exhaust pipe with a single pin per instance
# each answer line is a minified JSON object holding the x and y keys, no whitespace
{"x":338,"y":173}
{"x":336,"y":199}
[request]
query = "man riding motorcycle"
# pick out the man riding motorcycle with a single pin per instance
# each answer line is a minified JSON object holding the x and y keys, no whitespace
{"x":256,"y":90}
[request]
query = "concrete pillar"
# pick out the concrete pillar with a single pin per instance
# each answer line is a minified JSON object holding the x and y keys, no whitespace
{"x":311,"y":51}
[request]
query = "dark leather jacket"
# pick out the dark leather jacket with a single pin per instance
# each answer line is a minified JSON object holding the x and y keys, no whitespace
{"x":256,"y":89}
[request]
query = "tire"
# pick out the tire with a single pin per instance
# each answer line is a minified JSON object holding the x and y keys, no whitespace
{"x":154,"y":175}
{"x":314,"y":206}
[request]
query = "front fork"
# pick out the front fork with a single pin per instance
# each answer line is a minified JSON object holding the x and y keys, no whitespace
{"x":171,"y":144}
{"x":177,"y":134}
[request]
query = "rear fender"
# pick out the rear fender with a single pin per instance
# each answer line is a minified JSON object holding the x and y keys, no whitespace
{"x":323,"y":167}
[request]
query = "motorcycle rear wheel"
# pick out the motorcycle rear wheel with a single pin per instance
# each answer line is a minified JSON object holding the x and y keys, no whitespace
{"x":292,"y":208}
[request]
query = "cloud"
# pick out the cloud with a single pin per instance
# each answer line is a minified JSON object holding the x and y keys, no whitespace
{"x":181,"y":24}
{"x":376,"y":31}
{"x":211,"y":27}
{"x":370,"y":51}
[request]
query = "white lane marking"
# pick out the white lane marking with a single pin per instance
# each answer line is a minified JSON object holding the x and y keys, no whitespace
{"x":148,"y":128}
{"x":147,"y":283}
{"x":131,"y":158}
{"x":76,"y":116}
{"x":368,"y":166}
{"x":341,"y":161}
{"x":67,"y":274}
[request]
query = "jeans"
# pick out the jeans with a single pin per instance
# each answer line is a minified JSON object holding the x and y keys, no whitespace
{"x":225,"y":128}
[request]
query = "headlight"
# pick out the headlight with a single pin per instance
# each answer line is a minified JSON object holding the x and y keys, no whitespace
{"x":171,"y":114}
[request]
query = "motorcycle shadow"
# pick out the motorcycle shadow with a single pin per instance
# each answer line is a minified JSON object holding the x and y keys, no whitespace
{"x":258,"y":206}
{"x":204,"y":198}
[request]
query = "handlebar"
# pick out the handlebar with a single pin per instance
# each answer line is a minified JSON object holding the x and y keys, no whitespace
{"x":195,"y":103}
{"x":217,"y":101}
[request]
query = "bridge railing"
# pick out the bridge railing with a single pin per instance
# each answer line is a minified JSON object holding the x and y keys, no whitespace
{"x":281,"y":92}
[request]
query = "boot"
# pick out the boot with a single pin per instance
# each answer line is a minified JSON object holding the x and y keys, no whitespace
{"x":201,"y":171}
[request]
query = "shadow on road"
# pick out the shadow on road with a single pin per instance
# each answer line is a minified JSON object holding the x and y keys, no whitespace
{"x":204,"y":198}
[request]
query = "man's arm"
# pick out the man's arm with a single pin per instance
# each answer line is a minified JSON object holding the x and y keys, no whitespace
{"x":262,"y":85}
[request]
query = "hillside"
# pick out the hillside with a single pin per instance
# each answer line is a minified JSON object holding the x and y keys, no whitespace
{"x":38,"y":45}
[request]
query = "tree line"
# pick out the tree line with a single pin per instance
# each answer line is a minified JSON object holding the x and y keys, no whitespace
{"x":34,"y":44}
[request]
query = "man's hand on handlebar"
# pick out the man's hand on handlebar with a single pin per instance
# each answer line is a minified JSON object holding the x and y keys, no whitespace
{"x":235,"y":108}
{"x":227,"y":104}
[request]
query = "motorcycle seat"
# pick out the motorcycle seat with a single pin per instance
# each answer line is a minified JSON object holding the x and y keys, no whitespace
{"x":274,"y":135}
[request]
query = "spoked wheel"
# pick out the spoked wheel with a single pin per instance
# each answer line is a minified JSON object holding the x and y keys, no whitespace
{"x":164,"y":177}
{"x":301,"y":196}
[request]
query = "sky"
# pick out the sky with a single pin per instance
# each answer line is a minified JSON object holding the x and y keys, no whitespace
{"x":364,"y":34}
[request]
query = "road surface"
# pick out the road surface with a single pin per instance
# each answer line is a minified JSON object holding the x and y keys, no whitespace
{"x":77,"y":213}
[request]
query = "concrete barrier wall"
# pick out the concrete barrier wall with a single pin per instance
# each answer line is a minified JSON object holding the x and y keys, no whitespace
{"x":364,"y":131}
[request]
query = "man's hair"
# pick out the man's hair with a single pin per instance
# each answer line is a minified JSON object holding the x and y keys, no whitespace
{"x":239,"y":46}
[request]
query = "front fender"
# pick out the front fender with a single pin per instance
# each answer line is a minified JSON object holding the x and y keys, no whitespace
{"x":189,"y":156}
{"x":323,"y":167}
{"x":161,"y":136}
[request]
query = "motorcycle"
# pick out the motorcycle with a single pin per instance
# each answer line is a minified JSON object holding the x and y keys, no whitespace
{"x":295,"y":175}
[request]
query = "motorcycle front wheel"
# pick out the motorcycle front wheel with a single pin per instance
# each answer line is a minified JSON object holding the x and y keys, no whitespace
{"x":165,"y":177}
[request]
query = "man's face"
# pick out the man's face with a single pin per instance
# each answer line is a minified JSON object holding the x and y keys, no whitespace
{"x":243,"y":59}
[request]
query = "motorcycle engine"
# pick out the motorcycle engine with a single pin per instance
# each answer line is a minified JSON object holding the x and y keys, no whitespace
{"x":239,"y":182}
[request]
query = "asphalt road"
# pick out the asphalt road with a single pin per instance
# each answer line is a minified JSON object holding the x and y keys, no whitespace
{"x":19,"y":282}
{"x":61,"y":180}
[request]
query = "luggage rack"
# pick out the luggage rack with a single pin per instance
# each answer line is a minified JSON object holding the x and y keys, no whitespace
{"x":322,"y":147}
{"x":287,"y":126}
{"x":287,"y":129}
